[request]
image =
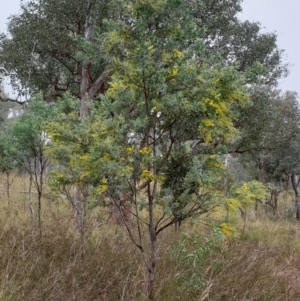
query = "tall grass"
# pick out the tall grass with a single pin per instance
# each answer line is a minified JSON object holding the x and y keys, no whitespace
{"x":193,"y":265}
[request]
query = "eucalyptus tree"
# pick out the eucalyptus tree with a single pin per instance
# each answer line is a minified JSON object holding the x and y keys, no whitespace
{"x":39,"y":52}
{"x":268,"y":122}
{"x":284,"y":163}
{"x":281,"y":168}
{"x":268,"y":140}
{"x":44,"y":49}
{"x":241,"y":42}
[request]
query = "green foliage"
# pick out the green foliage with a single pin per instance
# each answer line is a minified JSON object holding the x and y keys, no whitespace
{"x":167,"y":105}
{"x":51,"y":61}
{"x":8,"y":152}
{"x":241,"y":42}
{"x":29,"y":130}
{"x":246,"y":195}
{"x":30,"y":141}
{"x":239,"y":197}
{"x":47,"y":63}
{"x":270,"y":112}
{"x":172,"y":78}
{"x":85,"y":149}
{"x":190,"y":255}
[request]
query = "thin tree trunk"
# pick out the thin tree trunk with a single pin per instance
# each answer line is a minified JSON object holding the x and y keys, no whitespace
{"x":297,"y":201}
{"x":153,"y":241}
{"x":83,"y":228}
{"x":76,"y":208}
{"x":40,"y":191}
{"x":263,"y":209}
{"x":39,"y":211}
{"x":8,"y":188}
{"x":275,"y":196}
{"x":30,"y":202}
{"x":79,"y":214}
{"x":74,"y":202}
{"x":295,"y":184}
{"x":86,"y":84}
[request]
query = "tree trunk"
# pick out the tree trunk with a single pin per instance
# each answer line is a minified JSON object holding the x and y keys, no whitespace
{"x":79,"y":200}
{"x":8,"y":188}
{"x":40,"y":184}
{"x":153,"y":239}
{"x":86,"y":67}
{"x":263,"y":208}
{"x":79,"y":208}
{"x":297,"y":203}
{"x":275,"y":203}
{"x":295,"y":183}
{"x":83,"y":228}
{"x":39,"y":211}
{"x":30,"y":202}
{"x":85,"y":84}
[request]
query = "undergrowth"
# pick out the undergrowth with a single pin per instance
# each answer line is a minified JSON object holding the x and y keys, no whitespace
{"x":193,"y":264}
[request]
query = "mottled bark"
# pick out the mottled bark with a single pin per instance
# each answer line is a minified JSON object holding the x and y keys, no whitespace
{"x":86,"y":68}
{"x":96,"y":86}
{"x":295,"y":183}
{"x":88,"y":87}
{"x":84,"y":87}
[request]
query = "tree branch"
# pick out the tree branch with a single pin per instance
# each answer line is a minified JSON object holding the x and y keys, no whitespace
{"x":99,"y":82}
{"x":7,"y":99}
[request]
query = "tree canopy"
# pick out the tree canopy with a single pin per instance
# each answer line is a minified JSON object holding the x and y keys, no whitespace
{"x":43,"y":49}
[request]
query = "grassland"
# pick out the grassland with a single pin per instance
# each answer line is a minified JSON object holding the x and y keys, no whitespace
{"x":262,"y":264}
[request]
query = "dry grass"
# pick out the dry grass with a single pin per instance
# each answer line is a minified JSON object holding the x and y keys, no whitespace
{"x":261,"y":265}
